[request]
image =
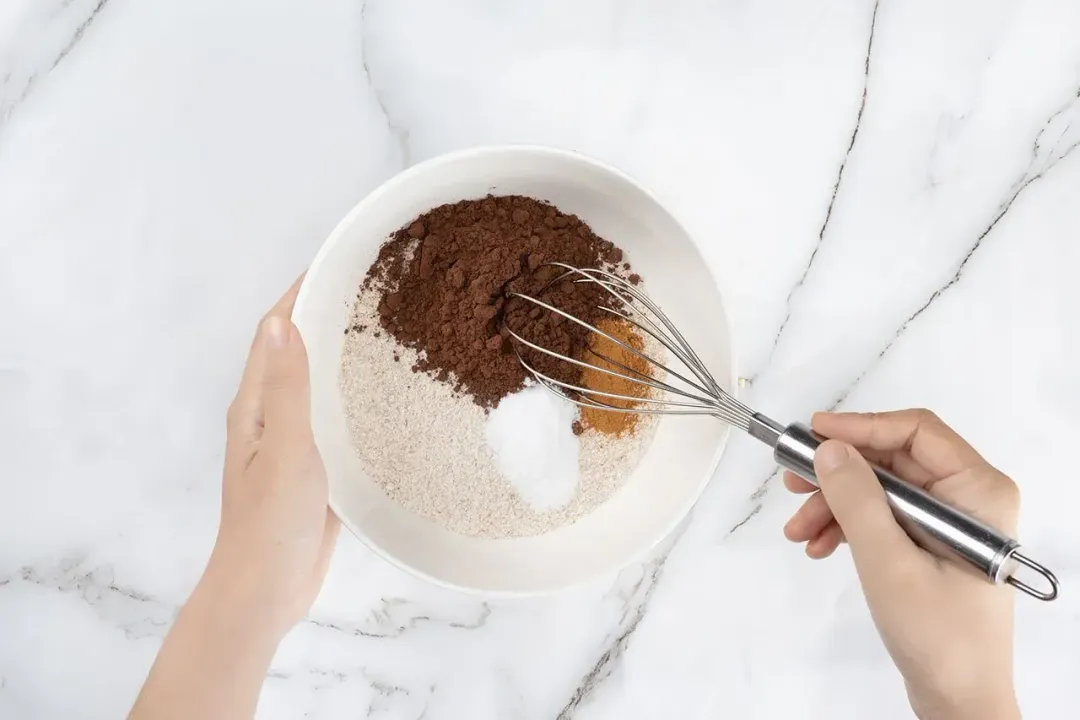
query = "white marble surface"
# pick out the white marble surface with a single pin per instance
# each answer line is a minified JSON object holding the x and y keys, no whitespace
{"x":888,"y":192}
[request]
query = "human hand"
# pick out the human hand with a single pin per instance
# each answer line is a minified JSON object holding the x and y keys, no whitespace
{"x":273,"y":546}
{"x":277,"y":533}
{"x":948,"y":630}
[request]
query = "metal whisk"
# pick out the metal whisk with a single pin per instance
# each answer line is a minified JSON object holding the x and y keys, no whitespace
{"x":935,"y":526}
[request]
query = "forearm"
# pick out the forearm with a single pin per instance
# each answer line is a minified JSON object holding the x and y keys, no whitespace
{"x":1008,"y":712}
{"x":1000,"y":706}
{"x":214,"y":659}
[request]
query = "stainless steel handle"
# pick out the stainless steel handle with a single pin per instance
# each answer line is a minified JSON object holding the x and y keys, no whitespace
{"x":933,"y":525}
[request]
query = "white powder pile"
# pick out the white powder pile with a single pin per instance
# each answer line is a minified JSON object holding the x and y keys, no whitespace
{"x":535,"y":447}
{"x":431,"y":449}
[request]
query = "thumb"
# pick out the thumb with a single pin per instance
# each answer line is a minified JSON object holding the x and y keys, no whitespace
{"x":286,"y":392}
{"x":858,"y":503}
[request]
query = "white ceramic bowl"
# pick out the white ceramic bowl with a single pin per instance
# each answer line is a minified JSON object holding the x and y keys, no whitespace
{"x":678,"y":463}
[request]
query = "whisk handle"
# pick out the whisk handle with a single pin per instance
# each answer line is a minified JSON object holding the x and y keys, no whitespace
{"x":933,"y":525}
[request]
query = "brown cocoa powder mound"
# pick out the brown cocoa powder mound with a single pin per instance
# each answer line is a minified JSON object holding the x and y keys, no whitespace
{"x":450,"y":270}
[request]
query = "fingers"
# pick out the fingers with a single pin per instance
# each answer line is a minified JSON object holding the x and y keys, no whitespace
{"x":825,"y":543}
{"x":810,"y":520}
{"x":284,"y":306}
{"x":796,"y":484}
{"x":244,"y":421}
{"x":286,"y":394}
{"x":813,"y":524}
{"x":858,"y":503}
{"x":923,"y":435}
{"x":245,"y":417}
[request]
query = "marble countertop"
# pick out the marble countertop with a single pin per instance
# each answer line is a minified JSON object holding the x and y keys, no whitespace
{"x":887,"y":191}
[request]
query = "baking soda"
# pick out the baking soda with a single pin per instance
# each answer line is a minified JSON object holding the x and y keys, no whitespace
{"x":535,"y":448}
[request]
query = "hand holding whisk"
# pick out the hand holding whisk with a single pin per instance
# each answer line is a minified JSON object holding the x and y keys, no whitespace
{"x":689,"y":389}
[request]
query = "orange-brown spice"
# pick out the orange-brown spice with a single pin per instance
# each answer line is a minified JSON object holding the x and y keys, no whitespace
{"x":607,"y":421}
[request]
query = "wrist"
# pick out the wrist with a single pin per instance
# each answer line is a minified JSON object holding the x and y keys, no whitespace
{"x":216,"y":655}
{"x":1000,"y":707}
{"x":1010,"y":712}
{"x":237,"y":603}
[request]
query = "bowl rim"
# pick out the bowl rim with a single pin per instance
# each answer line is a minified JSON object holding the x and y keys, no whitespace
{"x":405,"y":176}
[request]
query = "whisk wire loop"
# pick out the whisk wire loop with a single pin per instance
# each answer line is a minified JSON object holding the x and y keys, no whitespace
{"x":588,"y":392}
{"x":617,"y":286}
{"x":647,"y":381}
{"x":702,"y":395}
{"x":593,"y":329}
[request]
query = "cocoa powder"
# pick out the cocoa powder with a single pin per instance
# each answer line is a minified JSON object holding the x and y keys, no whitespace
{"x":446,"y":276}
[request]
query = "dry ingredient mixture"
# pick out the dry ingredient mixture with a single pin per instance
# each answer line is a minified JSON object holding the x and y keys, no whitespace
{"x":427,"y":358}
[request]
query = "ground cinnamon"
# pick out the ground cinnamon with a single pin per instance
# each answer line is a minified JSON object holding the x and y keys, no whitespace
{"x":612,"y":356}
